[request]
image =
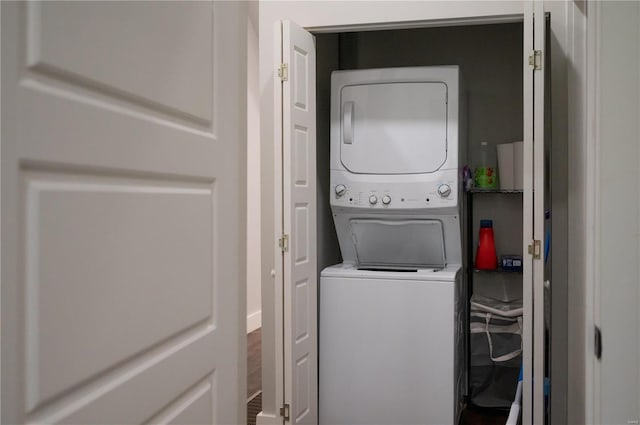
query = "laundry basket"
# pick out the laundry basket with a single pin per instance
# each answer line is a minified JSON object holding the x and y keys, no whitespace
{"x":496,"y":351}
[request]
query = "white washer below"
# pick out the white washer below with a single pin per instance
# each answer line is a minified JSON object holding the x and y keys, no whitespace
{"x":391,"y":346}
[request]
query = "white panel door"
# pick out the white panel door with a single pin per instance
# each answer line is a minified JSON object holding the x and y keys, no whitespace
{"x":533,"y":409}
{"x":299,"y":211}
{"x":123,"y":212}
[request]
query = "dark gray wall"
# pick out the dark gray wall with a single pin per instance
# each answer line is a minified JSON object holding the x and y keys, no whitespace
{"x":327,"y":49}
{"x":490,"y":59}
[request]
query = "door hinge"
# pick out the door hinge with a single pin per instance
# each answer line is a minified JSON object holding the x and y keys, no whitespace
{"x":283,"y":243}
{"x":534,"y":249}
{"x":597,"y":342}
{"x":284,"y":412}
{"x":535,"y":60}
{"x":283,"y":72}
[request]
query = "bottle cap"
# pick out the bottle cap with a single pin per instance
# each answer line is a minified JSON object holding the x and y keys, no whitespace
{"x":486,"y":223}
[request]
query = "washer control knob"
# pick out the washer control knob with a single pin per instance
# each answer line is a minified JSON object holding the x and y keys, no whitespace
{"x":386,"y":199}
{"x":373,"y":199}
{"x":444,"y":190}
{"x":340,"y":190}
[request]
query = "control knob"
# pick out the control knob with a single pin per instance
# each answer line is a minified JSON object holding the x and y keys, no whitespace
{"x":373,"y":199}
{"x":386,"y":199}
{"x":340,"y":190}
{"x":444,"y":190}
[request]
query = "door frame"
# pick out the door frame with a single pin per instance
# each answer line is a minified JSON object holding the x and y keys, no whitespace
{"x":272,"y":294}
{"x":592,"y":217}
{"x":278,"y":271}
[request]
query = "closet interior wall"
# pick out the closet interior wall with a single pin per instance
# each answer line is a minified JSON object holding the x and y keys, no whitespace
{"x":490,"y":59}
{"x":327,"y":61}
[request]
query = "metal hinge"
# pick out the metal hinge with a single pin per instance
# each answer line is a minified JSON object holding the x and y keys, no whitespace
{"x":535,"y":59}
{"x":534,"y":249}
{"x":283,"y":243}
{"x":284,"y":412}
{"x":283,"y":72}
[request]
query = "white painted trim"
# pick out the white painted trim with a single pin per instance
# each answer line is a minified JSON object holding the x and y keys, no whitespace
{"x":278,"y":217}
{"x":254,"y":321}
{"x":592,"y":228}
{"x":538,"y":214}
{"x":527,"y":217}
{"x":578,"y":383}
{"x":265,"y":419}
{"x":397,"y":25}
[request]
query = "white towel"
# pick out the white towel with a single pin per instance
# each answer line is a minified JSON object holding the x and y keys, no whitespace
{"x":518,"y":164}
{"x":505,"y":166}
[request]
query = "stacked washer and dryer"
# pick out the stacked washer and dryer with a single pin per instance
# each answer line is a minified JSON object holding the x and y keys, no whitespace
{"x":392,"y":315}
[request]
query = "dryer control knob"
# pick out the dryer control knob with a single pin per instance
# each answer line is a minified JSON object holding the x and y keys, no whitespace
{"x":373,"y":199}
{"x":386,"y":199}
{"x":444,"y":190}
{"x":341,"y":189}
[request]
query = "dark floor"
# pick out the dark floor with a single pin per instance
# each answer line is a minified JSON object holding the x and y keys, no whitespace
{"x":478,"y":416}
{"x":254,"y":375}
{"x":254,"y":369}
{"x":254,"y":406}
{"x":470,"y":416}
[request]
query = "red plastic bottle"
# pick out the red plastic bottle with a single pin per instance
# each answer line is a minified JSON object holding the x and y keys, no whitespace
{"x":486,"y":258}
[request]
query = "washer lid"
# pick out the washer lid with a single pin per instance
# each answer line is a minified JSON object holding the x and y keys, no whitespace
{"x":393,"y":128}
{"x":398,"y":243}
{"x":351,"y":271}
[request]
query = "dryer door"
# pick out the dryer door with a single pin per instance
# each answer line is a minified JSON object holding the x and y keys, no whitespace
{"x":394,"y":128}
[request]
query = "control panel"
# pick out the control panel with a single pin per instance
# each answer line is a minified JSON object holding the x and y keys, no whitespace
{"x":436,"y":192}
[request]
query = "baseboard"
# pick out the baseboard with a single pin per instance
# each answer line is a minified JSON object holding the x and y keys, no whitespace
{"x":263,"y":419}
{"x":254,"y":321}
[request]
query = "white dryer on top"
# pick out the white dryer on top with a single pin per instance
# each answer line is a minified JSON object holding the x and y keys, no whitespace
{"x":396,"y":161}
